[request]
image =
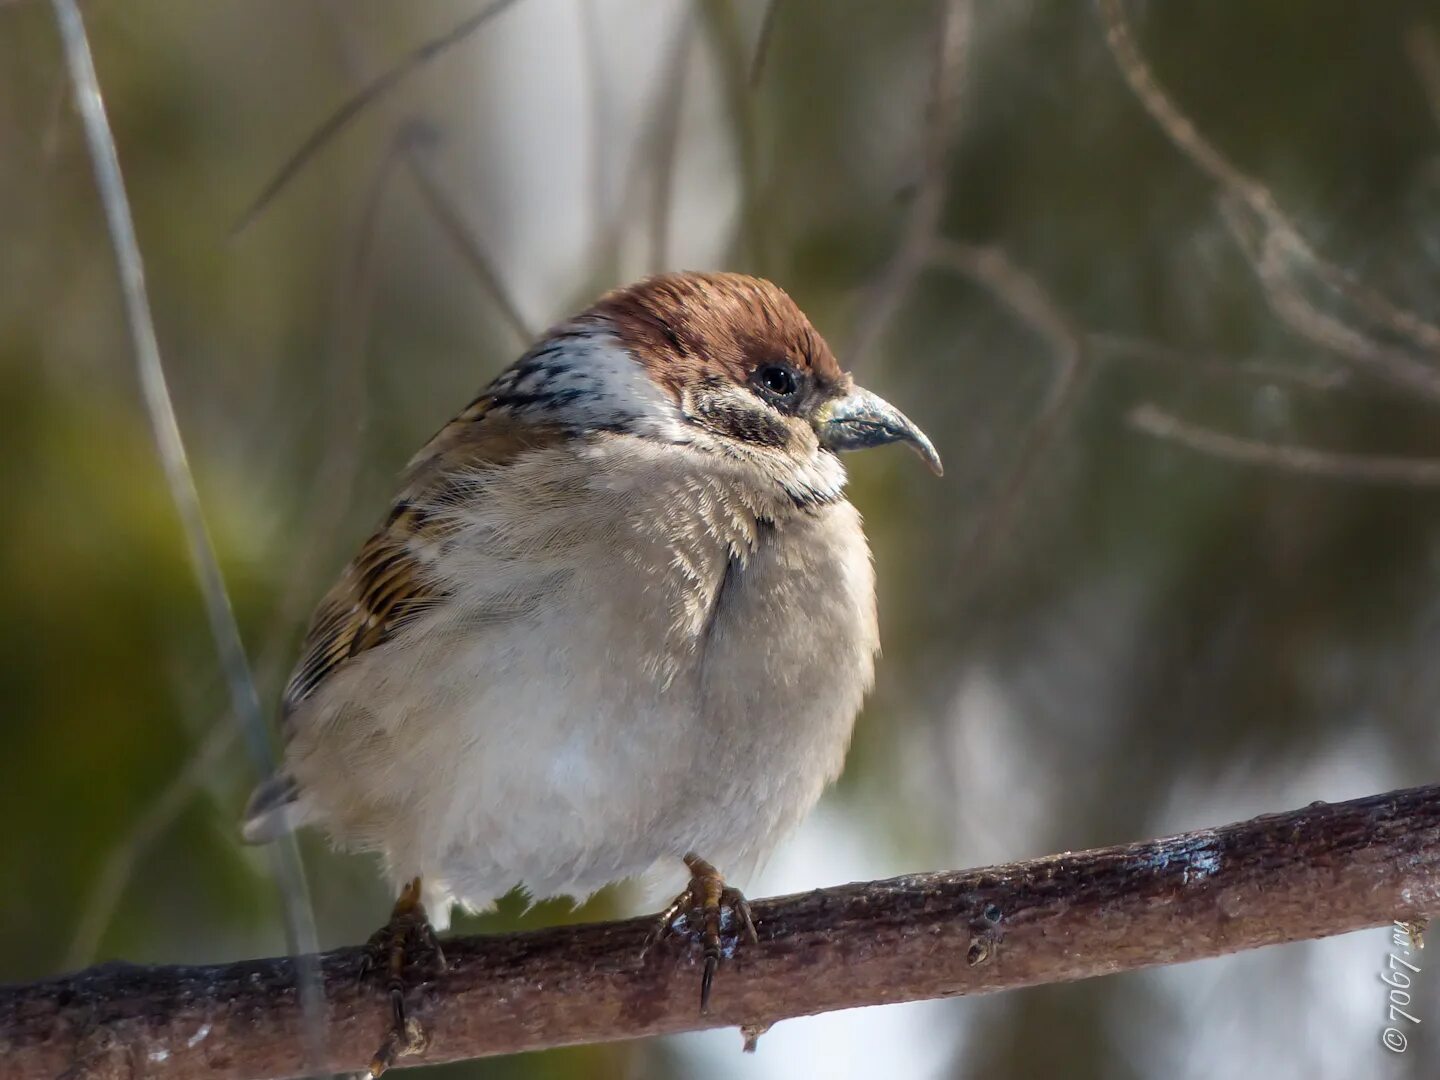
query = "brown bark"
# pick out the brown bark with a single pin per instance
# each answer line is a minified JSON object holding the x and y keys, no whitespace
{"x":1321,"y":870}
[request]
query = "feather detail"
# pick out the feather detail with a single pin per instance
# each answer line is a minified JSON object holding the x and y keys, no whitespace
{"x":390,"y":582}
{"x":619,"y":610}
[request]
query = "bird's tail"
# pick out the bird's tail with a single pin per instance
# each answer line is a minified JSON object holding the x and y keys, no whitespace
{"x":275,"y":808}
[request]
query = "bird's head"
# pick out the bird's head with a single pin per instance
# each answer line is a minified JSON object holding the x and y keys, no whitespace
{"x":723,"y":362}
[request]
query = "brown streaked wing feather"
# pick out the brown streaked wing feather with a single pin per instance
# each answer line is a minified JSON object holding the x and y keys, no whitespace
{"x":388,"y":583}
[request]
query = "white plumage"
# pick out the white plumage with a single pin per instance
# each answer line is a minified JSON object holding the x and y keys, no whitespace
{"x":593,"y":701}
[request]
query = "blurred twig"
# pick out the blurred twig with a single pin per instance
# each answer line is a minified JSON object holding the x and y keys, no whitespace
{"x":666,"y":142}
{"x":356,"y":104}
{"x":98,"y":908}
{"x":413,"y":143}
{"x":1363,"y":468}
{"x":1269,"y":252}
{"x":758,"y":230}
{"x":598,"y":100}
{"x":762,"y":42}
{"x":655,"y":154}
{"x":993,"y":270}
{"x":1255,"y":196}
{"x":329,"y":500}
{"x":245,"y":701}
{"x":54,"y":120}
{"x":1321,"y":870}
{"x":1285,"y":263}
{"x":881,"y":298}
{"x":1422,"y":44}
{"x":1211,"y":366}
{"x":442,"y":208}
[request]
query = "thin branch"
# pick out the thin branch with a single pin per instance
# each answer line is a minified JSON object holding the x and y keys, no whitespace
{"x":154,"y":823}
{"x":54,"y":126}
{"x":465,"y":240}
{"x":757,"y":237}
{"x":1422,"y":45}
{"x":667,"y":142}
{"x":1281,"y":457}
{"x":1321,"y":870}
{"x":413,"y":142}
{"x":353,"y":106}
{"x":992,"y":269}
{"x":763,"y":41}
{"x":652,"y":155}
{"x":1214,"y":366}
{"x":1018,"y":290}
{"x":327,"y":503}
{"x":884,"y":295}
{"x":969,"y":567}
{"x":1181,"y":131}
{"x":1269,"y":253}
{"x":244,"y":700}
{"x":598,"y":99}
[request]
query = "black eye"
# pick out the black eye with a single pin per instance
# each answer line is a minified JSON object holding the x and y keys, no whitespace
{"x":778,"y":380}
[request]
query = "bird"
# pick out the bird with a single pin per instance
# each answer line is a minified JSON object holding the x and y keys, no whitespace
{"x":620,"y":617}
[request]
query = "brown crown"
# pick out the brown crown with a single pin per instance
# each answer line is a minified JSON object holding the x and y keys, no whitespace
{"x":687,"y":326}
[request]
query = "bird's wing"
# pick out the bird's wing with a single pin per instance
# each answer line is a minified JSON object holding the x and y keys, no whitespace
{"x":389,"y":582}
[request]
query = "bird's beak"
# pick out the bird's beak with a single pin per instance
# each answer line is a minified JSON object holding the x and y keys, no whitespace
{"x":860,"y":419}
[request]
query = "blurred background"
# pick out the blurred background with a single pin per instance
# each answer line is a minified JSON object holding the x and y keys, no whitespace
{"x":1129,"y":608}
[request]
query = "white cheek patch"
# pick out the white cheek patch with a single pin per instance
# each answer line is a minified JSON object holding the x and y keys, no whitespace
{"x":583,"y":376}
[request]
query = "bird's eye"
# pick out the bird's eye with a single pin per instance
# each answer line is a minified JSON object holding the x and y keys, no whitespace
{"x":778,"y":380}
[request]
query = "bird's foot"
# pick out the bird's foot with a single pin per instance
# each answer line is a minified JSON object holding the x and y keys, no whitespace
{"x":704,"y":905}
{"x":403,"y":950}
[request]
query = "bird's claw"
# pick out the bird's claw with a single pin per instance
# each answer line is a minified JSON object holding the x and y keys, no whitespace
{"x":406,"y":944}
{"x":404,"y":1038}
{"x":704,"y":902}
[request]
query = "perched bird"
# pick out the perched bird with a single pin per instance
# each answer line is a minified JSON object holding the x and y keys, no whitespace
{"x":620,"y":614}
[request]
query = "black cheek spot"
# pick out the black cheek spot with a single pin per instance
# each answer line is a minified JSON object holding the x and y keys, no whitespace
{"x":745,"y":425}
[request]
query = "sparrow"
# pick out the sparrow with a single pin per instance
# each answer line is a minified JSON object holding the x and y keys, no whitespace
{"x":620,"y":616}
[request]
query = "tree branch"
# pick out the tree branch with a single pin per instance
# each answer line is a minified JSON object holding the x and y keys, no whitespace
{"x":1422,"y":45}
{"x":1246,"y":190}
{"x":356,"y":104}
{"x":883,"y":296}
{"x":1321,"y":870}
{"x":1027,"y":299}
{"x":1282,"y":457}
{"x":1210,"y":365}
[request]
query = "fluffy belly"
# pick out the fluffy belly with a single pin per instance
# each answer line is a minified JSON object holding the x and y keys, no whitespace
{"x":540,"y":753}
{"x":569,"y":775}
{"x":605,"y":725}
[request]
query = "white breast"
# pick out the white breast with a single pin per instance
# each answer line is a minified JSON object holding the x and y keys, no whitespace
{"x":647,"y":654}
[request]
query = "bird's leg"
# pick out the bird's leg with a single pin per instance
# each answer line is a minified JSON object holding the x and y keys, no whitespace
{"x":708,"y":896}
{"x":405,"y":943}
